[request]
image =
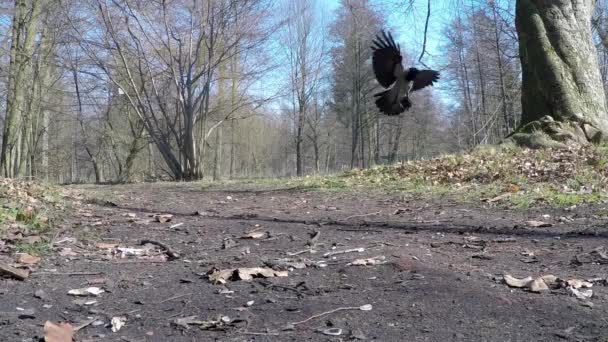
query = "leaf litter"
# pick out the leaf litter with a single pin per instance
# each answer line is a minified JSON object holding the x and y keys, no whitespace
{"x":218,"y":276}
{"x":580,"y":289}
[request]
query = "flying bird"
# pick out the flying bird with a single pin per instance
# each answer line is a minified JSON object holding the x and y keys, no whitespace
{"x":386,"y":61}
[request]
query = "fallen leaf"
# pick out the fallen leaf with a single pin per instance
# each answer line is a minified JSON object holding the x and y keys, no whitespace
{"x":67,"y":251}
{"x":185,"y":322}
{"x":255,"y":235}
{"x":537,"y":285}
{"x":163,"y":218}
{"x":332,"y":332}
{"x":27,"y":259}
{"x":366,"y":307}
{"x":285,"y":264}
{"x":58,"y":333}
{"x":118,"y":322}
{"x":257,"y":272}
{"x":217,"y":276}
{"x":515,"y":282}
{"x":87,"y":291}
{"x":538,"y":224}
{"x":577,"y":283}
{"x":13,"y":272}
{"x":580,"y":294}
{"x":127,"y":251}
{"x":369,"y":261}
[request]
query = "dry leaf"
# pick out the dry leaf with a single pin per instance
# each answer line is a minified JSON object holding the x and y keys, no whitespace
{"x":118,"y":323}
{"x":580,"y":294}
{"x":515,"y":282}
{"x":369,"y":261}
{"x":222,"y":276}
{"x":257,"y":272}
{"x":87,"y":291}
{"x":67,"y":251}
{"x":58,"y":333}
{"x":163,"y":218}
{"x":577,"y":283}
{"x":27,"y":259}
{"x":255,"y":235}
{"x":538,"y":285}
{"x":538,"y":224}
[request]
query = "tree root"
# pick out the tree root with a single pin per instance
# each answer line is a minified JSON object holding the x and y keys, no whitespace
{"x":548,"y":133}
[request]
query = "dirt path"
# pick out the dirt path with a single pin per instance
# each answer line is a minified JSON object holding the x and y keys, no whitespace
{"x":442,"y":280}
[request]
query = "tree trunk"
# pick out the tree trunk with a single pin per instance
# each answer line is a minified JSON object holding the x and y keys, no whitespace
{"x":217,"y":154}
{"x":562,"y":95}
{"x":24,"y":29}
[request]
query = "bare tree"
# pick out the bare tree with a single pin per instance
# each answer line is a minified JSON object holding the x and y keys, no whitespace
{"x":305,"y":50}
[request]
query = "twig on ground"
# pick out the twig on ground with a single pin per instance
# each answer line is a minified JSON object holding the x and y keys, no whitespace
{"x":359,"y":250}
{"x":174,"y":297}
{"x":326,"y":313}
{"x":299,"y":252}
{"x":84,"y":324}
{"x":170,"y":253}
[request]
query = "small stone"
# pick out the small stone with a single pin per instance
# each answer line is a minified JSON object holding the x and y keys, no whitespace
{"x":27,"y":314}
{"x":40,"y":294}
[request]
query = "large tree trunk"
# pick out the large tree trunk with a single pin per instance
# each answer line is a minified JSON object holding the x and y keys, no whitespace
{"x":563,"y":100}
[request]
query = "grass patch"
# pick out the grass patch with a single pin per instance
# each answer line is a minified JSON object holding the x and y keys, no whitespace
{"x":29,"y":208}
{"x":525,"y":177}
{"x":40,"y":248}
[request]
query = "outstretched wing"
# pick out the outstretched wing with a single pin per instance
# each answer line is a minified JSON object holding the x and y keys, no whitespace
{"x":425,"y":78}
{"x":386,"y":59}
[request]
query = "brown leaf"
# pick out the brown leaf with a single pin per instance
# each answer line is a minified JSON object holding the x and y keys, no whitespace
{"x":163,"y":218}
{"x":13,"y":272}
{"x":64,"y":332}
{"x":27,"y":259}
{"x":217,"y":276}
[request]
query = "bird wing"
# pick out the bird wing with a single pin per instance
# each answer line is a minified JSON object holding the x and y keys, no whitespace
{"x":425,"y":78}
{"x":386,"y":59}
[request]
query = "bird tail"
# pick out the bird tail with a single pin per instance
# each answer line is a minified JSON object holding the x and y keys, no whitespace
{"x":388,"y":104}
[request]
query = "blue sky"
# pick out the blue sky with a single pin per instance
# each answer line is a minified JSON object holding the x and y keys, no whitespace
{"x":408,"y":26}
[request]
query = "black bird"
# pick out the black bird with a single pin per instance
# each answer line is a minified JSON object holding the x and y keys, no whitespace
{"x":386,"y":61}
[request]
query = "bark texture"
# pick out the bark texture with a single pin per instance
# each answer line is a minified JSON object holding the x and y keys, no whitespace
{"x":563,"y":99}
